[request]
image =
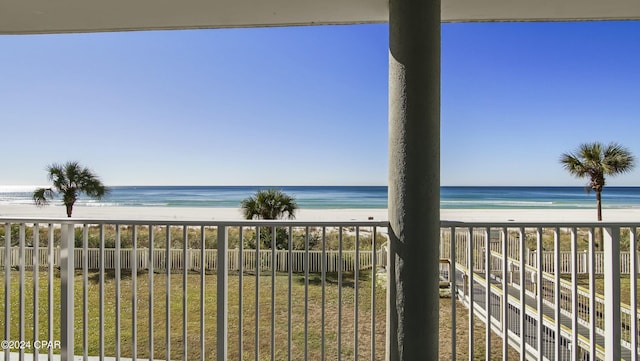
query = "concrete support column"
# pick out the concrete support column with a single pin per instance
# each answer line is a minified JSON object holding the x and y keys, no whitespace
{"x":414,"y":180}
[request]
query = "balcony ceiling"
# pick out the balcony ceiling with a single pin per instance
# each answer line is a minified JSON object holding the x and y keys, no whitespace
{"x":60,"y":16}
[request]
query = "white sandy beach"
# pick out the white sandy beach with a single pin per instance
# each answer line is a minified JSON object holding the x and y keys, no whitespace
{"x":182,"y":213}
{"x":225,"y":214}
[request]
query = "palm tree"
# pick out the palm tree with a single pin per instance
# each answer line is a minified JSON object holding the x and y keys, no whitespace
{"x":269,"y":204}
{"x":70,"y":180}
{"x":595,"y":161}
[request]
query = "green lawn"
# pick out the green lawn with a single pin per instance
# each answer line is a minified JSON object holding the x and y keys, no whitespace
{"x":625,"y":285}
{"x":193,"y":344}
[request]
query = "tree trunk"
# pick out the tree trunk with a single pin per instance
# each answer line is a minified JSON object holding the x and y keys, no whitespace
{"x":599,"y":204}
{"x":69,"y":209}
{"x":599,"y":234}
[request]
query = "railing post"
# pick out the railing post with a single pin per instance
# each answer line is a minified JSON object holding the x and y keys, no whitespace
{"x":222,"y":294}
{"x":612,"y":293}
{"x":7,"y":287}
{"x":67,"y":246}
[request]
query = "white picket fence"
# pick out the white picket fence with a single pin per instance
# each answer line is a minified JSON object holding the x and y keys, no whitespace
{"x":192,"y":260}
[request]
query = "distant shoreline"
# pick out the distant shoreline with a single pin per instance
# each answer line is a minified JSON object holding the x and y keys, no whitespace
{"x":373,"y":198}
{"x":354,"y":214}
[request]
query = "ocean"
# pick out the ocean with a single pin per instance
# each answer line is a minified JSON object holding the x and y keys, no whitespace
{"x":332,"y":197}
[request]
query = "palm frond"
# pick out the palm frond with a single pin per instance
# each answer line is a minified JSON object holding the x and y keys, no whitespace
{"x":58,"y":176}
{"x":269,"y":204}
{"x":41,"y":196}
{"x":249,"y":208}
{"x":617,"y":159}
{"x":572,"y":163}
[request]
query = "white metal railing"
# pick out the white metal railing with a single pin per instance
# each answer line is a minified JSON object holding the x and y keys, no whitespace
{"x":582,"y":265}
{"x":565,"y":264}
{"x":579,"y":317}
{"x":187,"y":295}
{"x":548,"y":257}
{"x":191,"y":295}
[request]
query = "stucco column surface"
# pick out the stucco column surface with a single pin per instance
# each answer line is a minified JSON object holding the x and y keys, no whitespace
{"x":414,"y":179}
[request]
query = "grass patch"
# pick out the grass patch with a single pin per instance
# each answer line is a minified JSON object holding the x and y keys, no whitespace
{"x":306,"y":333}
{"x":625,"y":285}
{"x":462,"y":336}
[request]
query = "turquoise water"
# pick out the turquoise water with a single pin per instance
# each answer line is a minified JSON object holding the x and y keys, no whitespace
{"x":323,"y":197}
{"x":537,"y":197}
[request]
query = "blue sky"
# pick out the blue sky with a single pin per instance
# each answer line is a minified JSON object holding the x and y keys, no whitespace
{"x":308,"y":105}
